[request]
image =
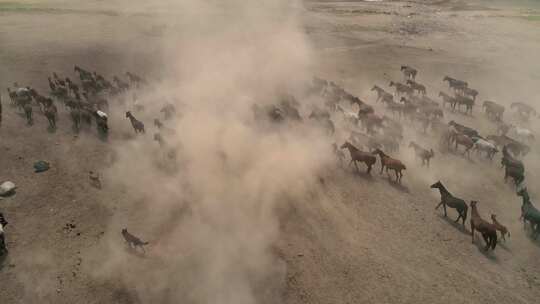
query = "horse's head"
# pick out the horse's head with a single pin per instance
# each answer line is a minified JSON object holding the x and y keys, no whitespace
{"x":436,"y":185}
{"x":403,"y":67}
{"x":446,"y":78}
{"x":128,"y":114}
{"x":494,"y":217}
{"x":374,"y":88}
{"x":345,"y":145}
{"x":473,"y":204}
{"x":391,"y":83}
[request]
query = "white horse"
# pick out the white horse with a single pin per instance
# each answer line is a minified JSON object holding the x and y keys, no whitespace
{"x":522,"y":133}
{"x":485,"y":146}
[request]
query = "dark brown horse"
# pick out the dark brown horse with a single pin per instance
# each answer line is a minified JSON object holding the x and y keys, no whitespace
{"x":359,"y":156}
{"x":488,"y":230}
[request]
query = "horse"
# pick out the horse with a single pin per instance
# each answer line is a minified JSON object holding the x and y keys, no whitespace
{"x":401,"y":88}
{"x":464,"y":129}
{"x":409,"y":72}
{"x":456,"y":85}
{"x":424,"y":154}
{"x":485,"y":146}
{"x":493,"y":110}
{"x":488,"y":230}
{"x":523,"y":109}
{"x":359,"y":156}
{"x":501,"y":228}
{"x":463,"y":140}
{"x":466,"y":101}
{"x":420,"y":88}
{"x":382,"y":95}
{"x":522,"y":133}
{"x":28,"y":113}
{"x":447,"y":99}
{"x":137,"y":125}
{"x":470,"y":92}
{"x":515,"y":173}
{"x":51,"y":113}
{"x":510,"y":161}
{"x":447,"y":199}
{"x":75,"y":114}
{"x":390,"y":163}
{"x":370,"y":121}
{"x":529,"y":213}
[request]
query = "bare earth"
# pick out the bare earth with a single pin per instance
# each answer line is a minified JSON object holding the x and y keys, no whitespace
{"x":349,"y":239}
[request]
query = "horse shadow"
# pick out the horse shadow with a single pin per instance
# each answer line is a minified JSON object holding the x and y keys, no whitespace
{"x":135,"y":252}
{"x":3,"y":259}
{"x":364,"y":175}
{"x":51,"y":129}
{"x":459,"y":226}
{"x":398,"y":186}
{"x":486,"y":253}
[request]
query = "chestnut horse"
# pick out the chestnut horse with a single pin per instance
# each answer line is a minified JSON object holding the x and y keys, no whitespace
{"x":500,"y":227}
{"x":488,"y":231}
{"x":390,"y":163}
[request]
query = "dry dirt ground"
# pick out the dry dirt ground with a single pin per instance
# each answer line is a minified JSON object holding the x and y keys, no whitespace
{"x":346,"y":238}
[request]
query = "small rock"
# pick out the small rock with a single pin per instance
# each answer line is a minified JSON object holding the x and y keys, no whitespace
{"x":41,"y":166}
{"x":7,"y":188}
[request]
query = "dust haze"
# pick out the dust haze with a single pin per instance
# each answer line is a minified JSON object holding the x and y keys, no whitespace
{"x":237,"y":210}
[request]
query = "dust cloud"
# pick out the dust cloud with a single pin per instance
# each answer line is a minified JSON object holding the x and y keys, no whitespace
{"x":209,"y":211}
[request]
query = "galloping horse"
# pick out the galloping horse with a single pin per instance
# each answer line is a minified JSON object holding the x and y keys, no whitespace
{"x":488,"y":230}
{"x":447,"y":199}
{"x":361,"y":156}
{"x":390,"y":163}
{"x":529,"y":213}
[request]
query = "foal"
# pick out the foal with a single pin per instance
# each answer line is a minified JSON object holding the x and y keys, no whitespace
{"x":422,"y":153}
{"x":390,"y":163}
{"x":488,"y":231}
{"x":500,"y":227}
{"x":447,"y":199}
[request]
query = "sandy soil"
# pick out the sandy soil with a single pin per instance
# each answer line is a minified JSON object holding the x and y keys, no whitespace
{"x":350,"y":239}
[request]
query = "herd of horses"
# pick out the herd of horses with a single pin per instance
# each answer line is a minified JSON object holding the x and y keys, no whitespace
{"x":86,"y":100}
{"x":415,"y":107}
{"x":371,"y":134}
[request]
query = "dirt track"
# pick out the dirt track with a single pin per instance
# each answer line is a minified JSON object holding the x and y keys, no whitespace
{"x":350,"y":239}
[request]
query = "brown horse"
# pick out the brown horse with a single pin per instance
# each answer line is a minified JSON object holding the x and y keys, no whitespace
{"x":500,"y":227}
{"x":463,"y":140}
{"x":390,"y":163}
{"x":488,"y":231}
{"x":359,"y":156}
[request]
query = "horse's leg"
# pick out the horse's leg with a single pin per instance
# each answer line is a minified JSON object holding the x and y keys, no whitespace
{"x":489,"y":241}
{"x":439,"y":205}
{"x":397,"y":175}
{"x":444,"y":207}
{"x":472,"y":231}
{"x":356,"y":165}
